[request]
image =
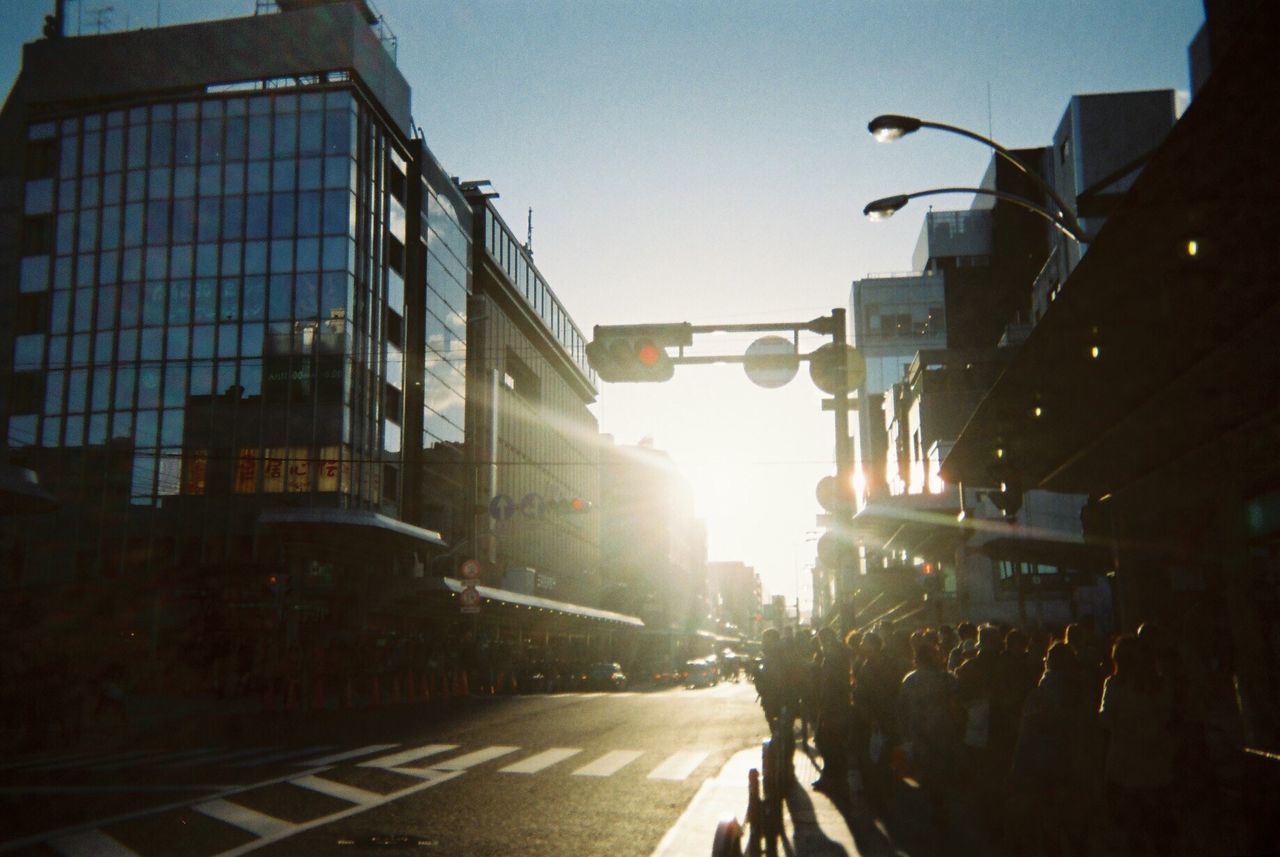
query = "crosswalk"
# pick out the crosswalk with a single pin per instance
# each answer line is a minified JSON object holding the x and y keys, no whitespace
{"x":422,"y":766}
{"x":676,"y":765}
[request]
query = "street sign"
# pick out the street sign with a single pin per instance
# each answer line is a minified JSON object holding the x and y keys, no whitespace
{"x":470,"y":570}
{"x":502,"y":507}
{"x":825,"y":366}
{"x":771,"y":361}
{"x":470,"y":600}
{"x":532,"y":506}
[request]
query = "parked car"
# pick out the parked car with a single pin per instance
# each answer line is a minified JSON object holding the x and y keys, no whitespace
{"x":702,"y":672}
{"x":605,"y":676}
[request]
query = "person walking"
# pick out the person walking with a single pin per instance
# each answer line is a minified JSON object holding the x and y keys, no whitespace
{"x":1047,"y":799}
{"x":926,"y":717}
{"x":831,"y":707}
{"x":1136,"y":712}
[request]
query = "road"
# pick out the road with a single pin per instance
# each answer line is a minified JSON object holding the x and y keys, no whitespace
{"x":580,"y":774}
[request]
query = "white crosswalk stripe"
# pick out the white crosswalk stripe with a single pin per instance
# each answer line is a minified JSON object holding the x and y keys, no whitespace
{"x":345,"y":755}
{"x":541,"y":761}
{"x":342,"y":791}
{"x":90,"y":843}
{"x":678,"y":766}
{"x":395,"y":760}
{"x":470,"y":760}
{"x":237,"y":815}
{"x":609,"y":764}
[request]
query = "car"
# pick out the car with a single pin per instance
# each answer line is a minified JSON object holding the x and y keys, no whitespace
{"x":702,"y":672}
{"x":605,"y":676}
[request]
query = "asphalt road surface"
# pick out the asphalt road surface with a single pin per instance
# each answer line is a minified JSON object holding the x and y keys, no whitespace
{"x":563,"y":774}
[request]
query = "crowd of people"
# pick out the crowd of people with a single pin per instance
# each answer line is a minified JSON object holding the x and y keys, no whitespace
{"x":1018,"y":743}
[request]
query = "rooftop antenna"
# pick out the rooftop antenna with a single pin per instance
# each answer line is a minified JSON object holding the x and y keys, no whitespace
{"x":528,"y":241}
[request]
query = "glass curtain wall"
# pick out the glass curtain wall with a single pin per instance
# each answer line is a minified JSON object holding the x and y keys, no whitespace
{"x":203,"y":284}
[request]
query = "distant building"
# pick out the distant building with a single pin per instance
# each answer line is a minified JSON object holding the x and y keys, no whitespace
{"x":653,"y":549}
{"x":734,"y":593}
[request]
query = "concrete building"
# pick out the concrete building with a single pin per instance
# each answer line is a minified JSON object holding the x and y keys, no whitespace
{"x":533,"y":440}
{"x":1099,"y":148}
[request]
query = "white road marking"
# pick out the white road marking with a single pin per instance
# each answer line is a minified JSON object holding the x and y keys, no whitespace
{"x":542,"y":760}
{"x":90,"y":843}
{"x":395,"y":760}
{"x":349,"y":754}
{"x":609,"y":764}
{"x":342,"y":791}
{"x":470,"y":760}
{"x":258,"y":823}
{"x":432,"y":778}
{"x":678,"y":766}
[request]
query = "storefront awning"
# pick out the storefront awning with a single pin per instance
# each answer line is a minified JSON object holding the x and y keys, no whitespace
{"x":347,"y":519}
{"x":532,"y":602}
{"x":915,"y":523}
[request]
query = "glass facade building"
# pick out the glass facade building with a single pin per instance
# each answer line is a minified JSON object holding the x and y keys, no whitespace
{"x":235,"y":298}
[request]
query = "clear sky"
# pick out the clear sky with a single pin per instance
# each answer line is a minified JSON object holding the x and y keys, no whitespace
{"x":708,"y":162}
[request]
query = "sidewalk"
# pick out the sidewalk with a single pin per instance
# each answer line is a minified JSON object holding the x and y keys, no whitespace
{"x":813,"y":824}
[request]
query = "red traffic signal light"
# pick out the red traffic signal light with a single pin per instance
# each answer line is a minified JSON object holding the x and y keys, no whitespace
{"x":569,"y":507}
{"x":636,"y":352}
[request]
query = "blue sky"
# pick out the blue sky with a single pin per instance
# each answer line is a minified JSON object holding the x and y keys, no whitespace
{"x":708,"y":162}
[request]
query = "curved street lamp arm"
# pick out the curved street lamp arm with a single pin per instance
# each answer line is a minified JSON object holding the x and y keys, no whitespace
{"x":1066,"y":213}
{"x":1065,"y":227}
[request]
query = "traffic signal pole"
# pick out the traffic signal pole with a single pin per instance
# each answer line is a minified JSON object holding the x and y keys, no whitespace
{"x":612,"y":365}
{"x":844,"y":465}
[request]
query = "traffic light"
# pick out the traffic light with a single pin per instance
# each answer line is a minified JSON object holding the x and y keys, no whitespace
{"x":930,"y":579}
{"x":574,"y":506}
{"x":636,"y":352}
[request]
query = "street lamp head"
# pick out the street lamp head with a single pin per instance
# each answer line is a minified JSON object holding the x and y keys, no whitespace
{"x":883,"y":209}
{"x":890,"y":126}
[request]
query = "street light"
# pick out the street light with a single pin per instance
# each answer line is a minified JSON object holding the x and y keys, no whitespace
{"x":890,"y":126}
{"x":886,"y":207}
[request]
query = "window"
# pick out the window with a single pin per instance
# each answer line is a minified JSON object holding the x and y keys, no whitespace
{"x":37,"y":235}
{"x":394,"y":403}
{"x":27,"y":392}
